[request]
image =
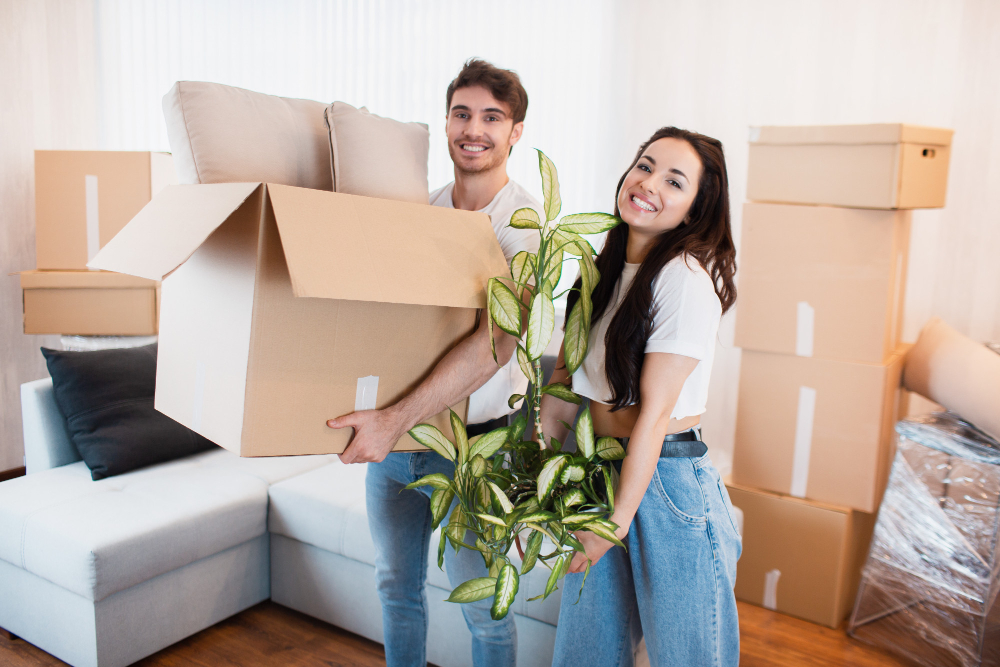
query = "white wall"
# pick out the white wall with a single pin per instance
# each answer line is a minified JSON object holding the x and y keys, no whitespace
{"x":601,"y":75}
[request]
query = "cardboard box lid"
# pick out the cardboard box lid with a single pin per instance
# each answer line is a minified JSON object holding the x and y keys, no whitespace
{"x":881,"y":133}
{"x":341,"y":246}
{"x":336,"y":246}
{"x":82,"y":280}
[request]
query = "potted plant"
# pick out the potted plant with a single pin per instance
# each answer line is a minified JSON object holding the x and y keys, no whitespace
{"x":514,"y":481}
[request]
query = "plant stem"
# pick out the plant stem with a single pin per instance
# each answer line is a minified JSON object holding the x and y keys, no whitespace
{"x":537,"y":363}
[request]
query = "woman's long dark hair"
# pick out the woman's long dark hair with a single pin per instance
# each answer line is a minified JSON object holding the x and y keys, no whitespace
{"x":706,"y":235}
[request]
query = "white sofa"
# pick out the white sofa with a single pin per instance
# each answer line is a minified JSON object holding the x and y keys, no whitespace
{"x":105,"y":573}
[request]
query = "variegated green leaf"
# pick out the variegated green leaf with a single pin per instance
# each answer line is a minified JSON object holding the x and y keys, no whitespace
{"x":522,"y":268}
{"x":601,"y":530}
{"x":461,"y":438}
{"x":531,"y":550}
{"x":562,"y":392}
{"x":525,"y":363}
{"x":441,"y":546}
{"x":514,"y":400}
{"x":506,"y":589}
{"x":537,"y":516}
{"x":473,"y":590}
{"x":492,"y":519}
{"x":477,"y":466}
{"x":502,"y":498}
{"x":610,"y":449}
{"x":584,"y":432}
{"x":505,"y":308}
{"x":553,"y":270}
{"x":609,"y":485}
{"x":489,"y":443}
{"x":571,"y":243}
{"x":436,"y":479}
{"x":495,"y":566}
{"x":583,"y":583}
{"x":429,"y":436}
{"x":573,"y":498}
{"x":525,"y":218}
{"x":589,"y":275}
{"x":550,"y":186}
{"x":528,"y":506}
{"x":541,"y":323}
{"x":571,"y":474}
{"x":575,"y":340}
{"x":456,"y":526}
{"x":482,"y":493}
{"x":578,"y":519}
{"x":517,"y":429}
{"x":558,"y":570}
{"x":588,"y":223}
{"x":489,"y":326}
{"x":440,"y":504}
{"x":550,"y":474}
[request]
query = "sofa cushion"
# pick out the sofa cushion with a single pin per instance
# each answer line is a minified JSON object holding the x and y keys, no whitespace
{"x":326,"y":508}
{"x":377,"y":157}
{"x":106,"y":397}
{"x":98,"y":538}
{"x":222,"y":134}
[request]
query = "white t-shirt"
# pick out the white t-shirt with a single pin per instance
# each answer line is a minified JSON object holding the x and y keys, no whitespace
{"x":686,"y":314}
{"x":490,"y":401}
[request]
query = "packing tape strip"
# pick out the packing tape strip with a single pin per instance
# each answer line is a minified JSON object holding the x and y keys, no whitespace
{"x":805,"y":325}
{"x":803,"y":441}
{"x":93,"y":217}
{"x":771,"y":590}
{"x":366,"y":394}
{"x":198,"y":399}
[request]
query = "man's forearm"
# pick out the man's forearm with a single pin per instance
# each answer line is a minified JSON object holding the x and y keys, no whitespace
{"x":466,"y":368}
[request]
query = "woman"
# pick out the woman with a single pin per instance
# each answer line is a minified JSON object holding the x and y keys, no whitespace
{"x":666,"y":279}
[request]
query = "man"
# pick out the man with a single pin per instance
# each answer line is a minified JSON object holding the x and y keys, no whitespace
{"x":486,"y":109}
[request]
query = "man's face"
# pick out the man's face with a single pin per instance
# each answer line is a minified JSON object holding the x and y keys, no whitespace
{"x":480,"y":130}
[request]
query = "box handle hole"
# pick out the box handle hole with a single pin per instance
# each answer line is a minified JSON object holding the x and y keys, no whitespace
{"x":928,"y":152}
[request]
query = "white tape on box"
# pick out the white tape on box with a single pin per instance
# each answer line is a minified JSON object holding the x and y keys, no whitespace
{"x":93,"y":217}
{"x":771,"y":589}
{"x":805,"y":324}
{"x":803,"y":441}
{"x":367,"y":393}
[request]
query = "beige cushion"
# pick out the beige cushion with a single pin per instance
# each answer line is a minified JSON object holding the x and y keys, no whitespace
{"x":222,"y":134}
{"x":957,"y":372}
{"x":377,"y":157}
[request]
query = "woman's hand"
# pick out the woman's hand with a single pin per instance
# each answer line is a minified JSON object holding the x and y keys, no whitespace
{"x":595,"y":546}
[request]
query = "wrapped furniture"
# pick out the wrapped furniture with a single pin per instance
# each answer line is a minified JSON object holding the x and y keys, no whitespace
{"x":929,"y":588}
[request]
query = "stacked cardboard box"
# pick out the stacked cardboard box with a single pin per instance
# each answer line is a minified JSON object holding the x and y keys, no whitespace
{"x":82,"y":199}
{"x":823,"y":268}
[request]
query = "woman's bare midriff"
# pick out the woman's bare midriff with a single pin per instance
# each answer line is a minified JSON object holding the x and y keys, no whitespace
{"x":620,"y":424}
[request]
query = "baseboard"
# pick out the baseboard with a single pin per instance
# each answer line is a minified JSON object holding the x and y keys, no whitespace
{"x":11,"y":474}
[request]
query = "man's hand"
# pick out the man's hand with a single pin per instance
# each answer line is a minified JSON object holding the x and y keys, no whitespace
{"x":375,"y":434}
{"x":595,"y":546}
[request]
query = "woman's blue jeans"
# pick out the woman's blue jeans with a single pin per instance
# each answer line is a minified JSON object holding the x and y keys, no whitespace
{"x":400,"y":523}
{"x":674,"y":584}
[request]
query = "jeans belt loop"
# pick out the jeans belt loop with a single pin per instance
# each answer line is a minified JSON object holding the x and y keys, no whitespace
{"x":680,"y":445}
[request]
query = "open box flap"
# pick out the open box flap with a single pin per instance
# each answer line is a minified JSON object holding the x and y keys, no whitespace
{"x":170,"y":228}
{"x":341,"y":246}
{"x":82,"y":280}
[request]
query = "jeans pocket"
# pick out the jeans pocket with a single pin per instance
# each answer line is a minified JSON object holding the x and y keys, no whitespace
{"x":678,"y":485}
{"x":729,"y":509}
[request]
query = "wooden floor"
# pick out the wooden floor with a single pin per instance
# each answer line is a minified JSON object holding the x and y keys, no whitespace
{"x":270,"y":634}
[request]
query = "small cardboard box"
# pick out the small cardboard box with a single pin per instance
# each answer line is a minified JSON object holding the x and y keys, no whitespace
{"x":822,"y":281}
{"x":890,"y":165}
{"x":800,"y":557}
{"x":88,"y":303}
{"x":84,"y":198}
{"x":283,"y":307}
{"x":816,"y":428}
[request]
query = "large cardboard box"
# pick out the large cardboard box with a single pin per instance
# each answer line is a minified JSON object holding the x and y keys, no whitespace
{"x":800,"y":557}
{"x":283,"y":307}
{"x":816,"y":428}
{"x":84,"y":198}
{"x":889,"y":165}
{"x":89,"y":303}
{"x":822,"y":281}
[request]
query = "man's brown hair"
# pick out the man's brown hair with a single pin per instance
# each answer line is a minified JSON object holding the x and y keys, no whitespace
{"x":503,"y":84}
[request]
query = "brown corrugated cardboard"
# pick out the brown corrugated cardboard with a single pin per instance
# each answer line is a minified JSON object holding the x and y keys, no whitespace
{"x":800,"y":557}
{"x":885,"y":166}
{"x":88,"y":303}
{"x":84,"y":198}
{"x":283,"y":307}
{"x":822,"y":281}
{"x":815,"y":428}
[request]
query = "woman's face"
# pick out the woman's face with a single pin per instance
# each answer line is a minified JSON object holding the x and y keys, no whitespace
{"x":659,"y":190}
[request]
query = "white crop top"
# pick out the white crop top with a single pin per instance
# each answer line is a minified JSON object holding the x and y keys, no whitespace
{"x":686,"y":314}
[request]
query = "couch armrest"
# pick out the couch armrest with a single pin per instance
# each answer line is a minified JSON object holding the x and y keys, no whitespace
{"x":46,"y":440}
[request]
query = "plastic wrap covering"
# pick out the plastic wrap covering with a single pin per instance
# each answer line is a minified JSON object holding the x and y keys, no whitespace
{"x":929,"y":588}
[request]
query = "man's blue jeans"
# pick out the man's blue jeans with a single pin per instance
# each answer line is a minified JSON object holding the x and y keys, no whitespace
{"x":674,"y":584}
{"x":400,"y":523}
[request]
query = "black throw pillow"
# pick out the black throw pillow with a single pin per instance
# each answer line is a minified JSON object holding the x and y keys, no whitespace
{"x":106,"y":397}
